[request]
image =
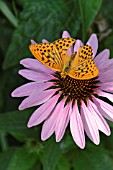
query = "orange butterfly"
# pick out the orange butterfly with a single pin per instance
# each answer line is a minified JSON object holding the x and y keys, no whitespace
{"x":54,"y":55}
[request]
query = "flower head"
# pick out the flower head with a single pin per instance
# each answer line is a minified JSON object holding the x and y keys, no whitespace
{"x":65,"y":100}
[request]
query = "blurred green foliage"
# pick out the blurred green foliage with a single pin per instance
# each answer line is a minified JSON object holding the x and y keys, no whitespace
{"x":20,"y":21}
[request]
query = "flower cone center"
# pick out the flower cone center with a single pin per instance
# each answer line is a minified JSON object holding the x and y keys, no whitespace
{"x":76,"y":89}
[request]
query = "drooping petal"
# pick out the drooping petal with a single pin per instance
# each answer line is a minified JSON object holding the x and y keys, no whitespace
{"x":104,"y":94}
{"x":34,"y":64}
{"x":29,"y":88}
{"x":62,"y":122}
{"x":101,"y":123}
{"x":104,"y":108}
{"x":34,"y":99}
{"x":44,"y":41}
{"x":89,"y":123}
{"x":65,"y":34}
{"x":33,"y":42}
{"x":93,"y":42}
{"x":49,"y":125}
{"x":43,"y":111}
{"x":76,"y":126}
{"x":77,"y":45}
{"x":35,"y":76}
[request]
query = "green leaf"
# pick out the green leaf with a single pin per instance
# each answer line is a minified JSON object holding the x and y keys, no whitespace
{"x":15,"y":123}
{"x":16,"y":159}
{"x":51,"y":155}
{"x":95,"y":157}
{"x":110,"y":123}
{"x":7,"y":12}
{"x":63,"y":164}
{"x":5,"y":37}
{"x":5,"y":93}
{"x":3,"y":142}
{"x":88,"y":9}
{"x":2,"y":84}
{"x":68,"y":143}
{"x":41,"y":20}
{"x":108,"y":43}
{"x":5,"y":159}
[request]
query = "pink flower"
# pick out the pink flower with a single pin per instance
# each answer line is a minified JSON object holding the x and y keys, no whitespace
{"x":56,"y":97}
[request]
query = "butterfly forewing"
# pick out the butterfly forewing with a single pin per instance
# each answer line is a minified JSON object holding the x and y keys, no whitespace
{"x":64,"y":44}
{"x":45,"y":54}
{"x":50,"y":54}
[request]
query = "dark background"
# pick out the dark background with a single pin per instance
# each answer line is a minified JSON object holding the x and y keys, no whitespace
{"x":20,"y":21}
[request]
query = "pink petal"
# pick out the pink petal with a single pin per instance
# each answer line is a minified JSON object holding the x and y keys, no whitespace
{"x":106,"y":76}
{"x":44,"y":41}
{"x":36,"y":99}
{"x":93,"y":42}
{"x":76,"y":127}
{"x":35,"y":76}
{"x":108,"y":65}
{"x":70,"y":51}
{"x":33,"y":87}
{"x":90,"y":124}
{"x":104,"y":94}
{"x":107,"y":87}
{"x":49,"y":125}
{"x":33,"y":42}
{"x":104,"y":108}
{"x":101,"y":123}
{"x":34,"y":64}
{"x":77,"y":45}
{"x":101,"y":58}
{"x":62,"y":122}
{"x":65,"y":34}
{"x":43,"y":112}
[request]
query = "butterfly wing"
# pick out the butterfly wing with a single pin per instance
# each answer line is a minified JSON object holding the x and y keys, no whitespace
{"x":47,"y":54}
{"x":50,"y":54}
{"x":84,"y":71}
{"x":64,"y":44}
{"x":83,"y":67}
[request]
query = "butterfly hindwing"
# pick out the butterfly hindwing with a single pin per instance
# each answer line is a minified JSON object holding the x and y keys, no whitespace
{"x":84,"y":70}
{"x":83,"y":67}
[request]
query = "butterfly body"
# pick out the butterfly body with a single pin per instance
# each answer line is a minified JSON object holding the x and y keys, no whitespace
{"x":67,"y":64}
{"x":55,"y":55}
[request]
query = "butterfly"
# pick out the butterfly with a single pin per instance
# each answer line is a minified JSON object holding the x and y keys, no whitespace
{"x":55,"y":55}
